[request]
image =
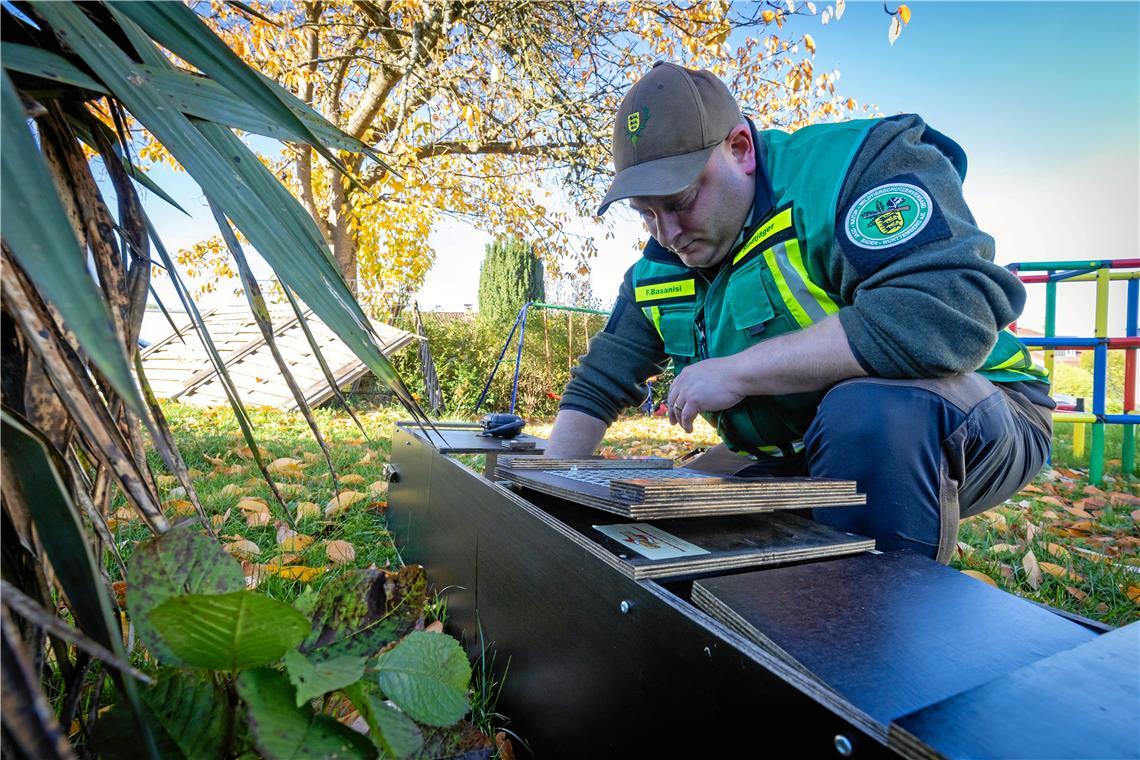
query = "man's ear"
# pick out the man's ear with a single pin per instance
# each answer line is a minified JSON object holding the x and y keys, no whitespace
{"x":739,"y":144}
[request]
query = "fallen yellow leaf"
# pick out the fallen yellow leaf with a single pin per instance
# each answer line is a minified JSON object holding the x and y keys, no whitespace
{"x":165,"y":481}
{"x":980,"y":576}
{"x":285,"y":558}
{"x":1057,"y":550}
{"x":998,"y":548}
{"x":351,"y":479}
{"x":292,"y":542}
{"x":245,"y":452}
{"x":342,"y":501}
{"x":294,"y":572}
{"x":1133,"y":593}
{"x":340,"y":552}
{"x":244,"y":549}
{"x":229,"y":490}
{"x":377,"y":486}
{"x":179,"y":507}
{"x":307,"y":509}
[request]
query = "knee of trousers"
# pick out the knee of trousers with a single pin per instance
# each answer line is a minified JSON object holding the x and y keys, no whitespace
{"x":880,"y":424}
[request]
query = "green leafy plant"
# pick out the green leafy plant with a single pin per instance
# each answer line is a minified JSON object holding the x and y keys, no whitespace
{"x":244,"y":671}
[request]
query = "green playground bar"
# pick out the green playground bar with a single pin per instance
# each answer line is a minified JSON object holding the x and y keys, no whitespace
{"x":1102,"y":271}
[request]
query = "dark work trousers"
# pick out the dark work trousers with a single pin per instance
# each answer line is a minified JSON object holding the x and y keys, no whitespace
{"x":926,"y":453}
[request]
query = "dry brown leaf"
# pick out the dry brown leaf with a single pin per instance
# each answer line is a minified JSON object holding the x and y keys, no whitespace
{"x":1136,"y":515}
{"x":1133,"y":593}
{"x":379,"y":486}
{"x":351,"y":479}
{"x":503,"y":745}
{"x":1094,"y":491}
{"x":245,"y":452}
{"x":216,"y":461}
{"x":1082,"y":525}
{"x":280,"y":462}
{"x":1057,"y":550}
{"x":980,"y":576}
{"x":997,"y":518}
{"x":1032,"y":570}
{"x":1050,"y":514}
{"x":231,"y":470}
{"x":1077,"y":511}
{"x":366,"y":458}
{"x":1076,"y":593}
{"x":285,"y":558}
{"x":1121,"y":499}
{"x":1031,"y":530}
{"x":1032,"y":489}
{"x":340,"y":552}
{"x":244,"y":549}
{"x":434,"y":627}
{"x":229,"y":490}
{"x":256,"y":519}
{"x":1051,"y":500}
{"x":307,"y":509}
{"x":194,"y":473}
{"x":179,"y":507}
{"x":310,"y":457}
{"x":342,"y":501}
{"x":217,"y":520}
{"x":1004,"y":548}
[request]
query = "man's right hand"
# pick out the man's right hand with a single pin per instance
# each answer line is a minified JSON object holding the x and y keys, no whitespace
{"x":575,"y":435}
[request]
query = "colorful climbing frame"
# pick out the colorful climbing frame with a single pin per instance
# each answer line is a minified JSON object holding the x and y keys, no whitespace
{"x":1102,"y":272}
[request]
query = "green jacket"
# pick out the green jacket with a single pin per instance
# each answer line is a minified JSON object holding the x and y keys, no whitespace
{"x":863,"y":219}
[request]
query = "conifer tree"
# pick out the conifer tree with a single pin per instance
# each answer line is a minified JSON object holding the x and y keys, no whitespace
{"x":510,"y":276}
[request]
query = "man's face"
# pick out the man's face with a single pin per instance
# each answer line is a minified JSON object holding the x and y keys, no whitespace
{"x":701,"y":223}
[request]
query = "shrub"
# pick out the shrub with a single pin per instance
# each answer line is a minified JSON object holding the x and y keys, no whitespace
{"x":510,"y":276}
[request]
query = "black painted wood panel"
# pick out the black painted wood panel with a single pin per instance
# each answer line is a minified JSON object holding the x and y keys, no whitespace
{"x":1084,"y":702}
{"x":893,"y":632}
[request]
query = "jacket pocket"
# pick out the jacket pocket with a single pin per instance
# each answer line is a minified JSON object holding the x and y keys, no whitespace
{"x":748,"y":302}
{"x":676,"y":327}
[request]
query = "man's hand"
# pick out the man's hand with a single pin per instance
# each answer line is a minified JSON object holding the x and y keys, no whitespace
{"x":807,"y":360}
{"x":707,"y":386}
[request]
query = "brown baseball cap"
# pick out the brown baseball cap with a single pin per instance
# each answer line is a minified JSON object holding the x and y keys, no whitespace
{"x":668,"y":125}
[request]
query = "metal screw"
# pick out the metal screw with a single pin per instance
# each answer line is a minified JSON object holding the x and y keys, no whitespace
{"x":624,"y":607}
{"x":843,"y":745}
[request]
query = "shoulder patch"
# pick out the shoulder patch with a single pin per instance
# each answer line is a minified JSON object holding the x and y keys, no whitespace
{"x":889,"y":220}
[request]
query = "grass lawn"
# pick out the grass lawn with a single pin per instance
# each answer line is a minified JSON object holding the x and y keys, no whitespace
{"x":1060,"y":541}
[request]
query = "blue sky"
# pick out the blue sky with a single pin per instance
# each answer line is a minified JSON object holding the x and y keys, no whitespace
{"x":1044,"y":97}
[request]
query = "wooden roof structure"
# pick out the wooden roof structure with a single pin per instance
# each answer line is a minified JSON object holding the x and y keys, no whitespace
{"x":178,"y":366}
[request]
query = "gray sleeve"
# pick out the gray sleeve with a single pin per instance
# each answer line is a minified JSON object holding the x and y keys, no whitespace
{"x":611,"y":375}
{"x":933,"y":305}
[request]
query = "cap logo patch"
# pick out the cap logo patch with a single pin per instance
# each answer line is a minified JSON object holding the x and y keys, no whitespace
{"x":888,"y":215}
{"x":635,"y":122}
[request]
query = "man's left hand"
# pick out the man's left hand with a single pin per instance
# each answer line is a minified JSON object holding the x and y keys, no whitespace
{"x":707,"y":386}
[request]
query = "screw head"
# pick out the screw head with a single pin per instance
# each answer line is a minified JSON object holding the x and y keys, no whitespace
{"x":843,"y":745}
{"x":624,"y":607}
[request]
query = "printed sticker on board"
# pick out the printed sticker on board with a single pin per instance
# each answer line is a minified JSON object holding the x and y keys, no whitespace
{"x":888,"y":215}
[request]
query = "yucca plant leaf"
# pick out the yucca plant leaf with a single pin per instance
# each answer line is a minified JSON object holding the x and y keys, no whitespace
{"x":39,"y":479}
{"x":219,"y":365}
{"x":261,"y":315}
{"x":303,"y":321}
{"x":46,"y":65}
{"x":72,"y":382}
{"x":177,"y":28}
{"x":33,"y":612}
{"x":274,"y":222}
{"x":282,"y":730}
{"x":228,"y":632}
{"x":36,"y":230}
{"x":28,"y":717}
{"x":177,"y":562}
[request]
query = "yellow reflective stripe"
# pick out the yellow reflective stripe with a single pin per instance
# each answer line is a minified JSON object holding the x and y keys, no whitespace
{"x":1021,"y":358}
{"x":819,"y":294}
{"x":654,"y":314}
{"x":778,"y":223}
{"x":662,"y":290}
{"x":793,"y":306}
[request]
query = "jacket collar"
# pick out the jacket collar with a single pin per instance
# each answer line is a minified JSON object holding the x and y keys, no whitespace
{"x":762,"y":204}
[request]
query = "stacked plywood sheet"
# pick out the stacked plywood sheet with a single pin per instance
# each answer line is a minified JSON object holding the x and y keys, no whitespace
{"x":646,"y":489}
{"x":676,"y":548}
{"x":178,"y":366}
